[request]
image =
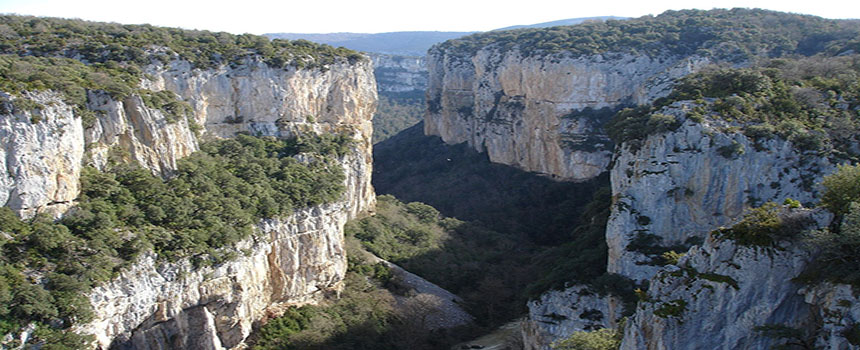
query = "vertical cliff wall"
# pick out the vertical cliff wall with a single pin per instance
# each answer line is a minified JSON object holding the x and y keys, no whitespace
{"x":296,"y":259}
{"x":669,"y":191}
{"x":397,"y":73}
{"x":527,"y":110}
{"x":677,"y":186}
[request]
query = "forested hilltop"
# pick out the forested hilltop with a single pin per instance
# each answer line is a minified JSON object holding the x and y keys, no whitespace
{"x":94,"y":42}
{"x":733,"y":35}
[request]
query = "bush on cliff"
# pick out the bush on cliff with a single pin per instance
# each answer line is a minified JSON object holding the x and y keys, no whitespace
{"x":812,"y":102}
{"x":838,"y":247}
{"x":211,"y":202}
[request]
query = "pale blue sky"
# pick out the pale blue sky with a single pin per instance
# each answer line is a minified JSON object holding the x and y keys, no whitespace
{"x":373,"y":16}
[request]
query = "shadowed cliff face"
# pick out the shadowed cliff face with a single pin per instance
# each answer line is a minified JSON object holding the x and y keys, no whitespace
{"x":296,"y":259}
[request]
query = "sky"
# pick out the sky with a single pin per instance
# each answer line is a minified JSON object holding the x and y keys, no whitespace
{"x":376,"y":16}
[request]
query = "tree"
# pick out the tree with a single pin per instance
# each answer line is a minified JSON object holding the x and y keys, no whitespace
{"x":841,"y":188}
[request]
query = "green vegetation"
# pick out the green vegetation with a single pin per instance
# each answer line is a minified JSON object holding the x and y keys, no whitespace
{"x":211,"y":202}
{"x":138,"y":45}
{"x":735,"y":35}
{"x":674,"y":308}
{"x":601,"y":339}
{"x":838,"y":251}
{"x":168,"y":102}
{"x":841,"y":189}
{"x":812,"y":102}
{"x":466,"y":259}
{"x":396,"y":112}
{"x":652,"y":246}
{"x":69,"y":77}
{"x":365,"y":316}
{"x":766,"y":225}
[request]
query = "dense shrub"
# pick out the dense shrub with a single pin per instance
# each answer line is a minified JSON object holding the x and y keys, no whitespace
{"x":137,"y":45}
{"x":812,"y":102}
{"x":841,"y":189}
{"x":396,"y":112}
{"x":735,"y":35}
{"x":838,"y":246}
{"x":766,"y":225}
{"x":601,"y":339}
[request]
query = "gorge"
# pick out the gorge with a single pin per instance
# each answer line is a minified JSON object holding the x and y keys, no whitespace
{"x":680,"y":181}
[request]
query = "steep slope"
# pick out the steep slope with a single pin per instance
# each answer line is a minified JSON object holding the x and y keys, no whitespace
{"x":687,"y":167}
{"x":48,"y":137}
{"x":533,"y":98}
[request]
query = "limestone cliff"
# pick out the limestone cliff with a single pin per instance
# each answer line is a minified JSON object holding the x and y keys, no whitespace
{"x":156,"y":305}
{"x":40,"y":162}
{"x":669,"y":191}
{"x":396,"y":74}
{"x":296,"y":259}
{"x":557,"y":314}
{"x":527,"y":110}
{"x":721,"y":292}
{"x":680,"y":185}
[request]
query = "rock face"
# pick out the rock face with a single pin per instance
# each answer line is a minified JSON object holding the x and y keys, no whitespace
{"x":157,"y":305}
{"x":836,"y":306}
{"x":683,"y":184}
{"x":527,"y":111}
{"x":719,"y":295}
{"x":261,"y":100}
{"x":670,"y":190}
{"x":557,"y":314}
{"x":40,"y":163}
{"x":395,"y":73}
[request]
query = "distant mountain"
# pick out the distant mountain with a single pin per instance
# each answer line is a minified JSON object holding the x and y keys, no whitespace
{"x":394,"y":43}
{"x":408,"y":43}
{"x":562,"y":22}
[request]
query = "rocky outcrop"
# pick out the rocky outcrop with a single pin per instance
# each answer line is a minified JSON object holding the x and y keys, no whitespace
{"x":672,"y":188}
{"x":836,"y":307}
{"x":530,"y":111}
{"x":128,"y":131}
{"x":685,"y":183}
{"x":718,"y":296}
{"x":41,"y":153}
{"x":262,"y":100}
{"x":42,"y":159}
{"x":159,"y":305}
{"x":293,"y":260}
{"x":557,"y":314}
{"x":398,"y":74}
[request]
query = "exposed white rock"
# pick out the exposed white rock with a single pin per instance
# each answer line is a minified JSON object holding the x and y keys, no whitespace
{"x":40,"y":157}
{"x":262,"y":100}
{"x":679,"y":185}
{"x":155,"y":305}
{"x":522,"y":110}
{"x":396,"y":73}
{"x":161,"y":305}
{"x":558,"y":314}
{"x":135,"y":133}
{"x":719,"y":295}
